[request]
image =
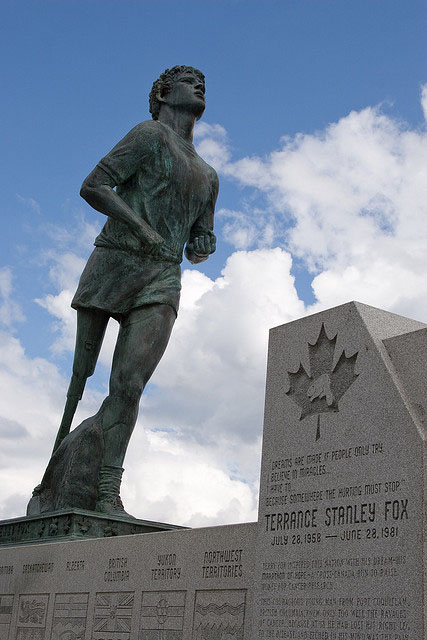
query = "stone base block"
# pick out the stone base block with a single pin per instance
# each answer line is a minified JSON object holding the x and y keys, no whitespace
{"x":194,"y":584}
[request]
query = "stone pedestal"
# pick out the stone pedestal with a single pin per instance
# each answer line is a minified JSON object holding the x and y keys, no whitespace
{"x":338,"y":550}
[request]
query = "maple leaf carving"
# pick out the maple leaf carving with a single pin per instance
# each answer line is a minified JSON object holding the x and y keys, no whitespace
{"x":321,"y":391}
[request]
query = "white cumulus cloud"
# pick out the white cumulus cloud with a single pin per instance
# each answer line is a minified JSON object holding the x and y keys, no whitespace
{"x":350,"y":202}
{"x":10,"y":311}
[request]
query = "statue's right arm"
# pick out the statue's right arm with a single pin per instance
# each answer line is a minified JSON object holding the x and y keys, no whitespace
{"x":98,"y":191}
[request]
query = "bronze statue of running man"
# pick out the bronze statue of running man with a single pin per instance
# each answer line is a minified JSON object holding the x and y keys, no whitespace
{"x":159,"y":198}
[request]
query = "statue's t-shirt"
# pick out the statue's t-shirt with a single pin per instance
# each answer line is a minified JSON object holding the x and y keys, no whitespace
{"x":161,"y":177}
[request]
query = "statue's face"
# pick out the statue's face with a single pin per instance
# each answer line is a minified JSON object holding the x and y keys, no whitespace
{"x":187,"y":93}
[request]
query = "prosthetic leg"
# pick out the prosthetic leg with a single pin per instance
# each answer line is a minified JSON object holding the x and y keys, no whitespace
{"x":91,"y":326}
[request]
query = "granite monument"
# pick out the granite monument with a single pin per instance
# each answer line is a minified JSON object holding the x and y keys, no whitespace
{"x":342,"y":523}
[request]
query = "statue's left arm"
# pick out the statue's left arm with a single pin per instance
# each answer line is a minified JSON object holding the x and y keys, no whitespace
{"x":202,"y":241}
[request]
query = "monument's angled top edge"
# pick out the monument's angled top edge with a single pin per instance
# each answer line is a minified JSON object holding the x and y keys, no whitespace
{"x":362,"y":307}
{"x":365,"y":311}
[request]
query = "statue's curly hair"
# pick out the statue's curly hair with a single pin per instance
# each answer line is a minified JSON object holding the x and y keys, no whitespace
{"x":164,"y":84}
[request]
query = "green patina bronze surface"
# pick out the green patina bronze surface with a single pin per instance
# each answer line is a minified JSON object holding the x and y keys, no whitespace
{"x":73,"y":524}
{"x":159,"y":198}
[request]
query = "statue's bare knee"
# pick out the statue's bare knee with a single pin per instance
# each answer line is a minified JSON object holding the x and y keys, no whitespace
{"x":142,"y":340}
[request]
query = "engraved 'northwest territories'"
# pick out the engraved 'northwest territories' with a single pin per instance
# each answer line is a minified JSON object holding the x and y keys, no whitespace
{"x":321,"y":391}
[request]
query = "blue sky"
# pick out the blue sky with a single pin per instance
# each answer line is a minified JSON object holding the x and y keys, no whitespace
{"x":337,"y":204}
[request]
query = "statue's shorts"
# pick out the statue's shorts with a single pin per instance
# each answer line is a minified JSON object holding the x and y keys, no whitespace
{"x":116,"y":281}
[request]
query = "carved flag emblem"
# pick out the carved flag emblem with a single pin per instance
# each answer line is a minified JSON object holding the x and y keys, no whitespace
{"x":321,"y":391}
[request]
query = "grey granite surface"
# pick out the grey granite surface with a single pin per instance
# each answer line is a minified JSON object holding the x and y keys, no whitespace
{"x":341,"y":522}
